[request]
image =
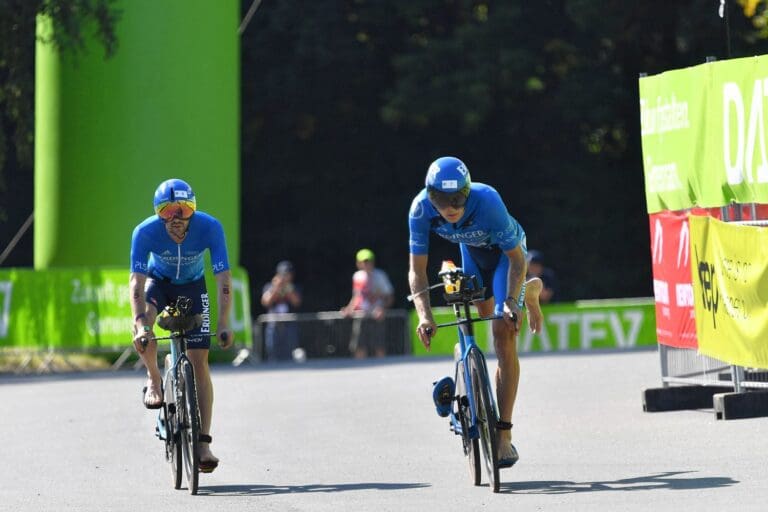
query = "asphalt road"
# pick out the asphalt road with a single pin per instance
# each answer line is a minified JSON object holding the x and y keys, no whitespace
{"x":345,"y":435}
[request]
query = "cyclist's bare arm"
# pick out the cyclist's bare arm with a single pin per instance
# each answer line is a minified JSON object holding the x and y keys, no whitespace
{"x":224,"y":301}
{"x":136,"y":287}
{"x":515,"y":281}
{"x":141,"y":317}
{"x":417,"y":279}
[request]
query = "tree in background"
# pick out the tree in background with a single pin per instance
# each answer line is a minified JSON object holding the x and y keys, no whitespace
{"x":73,"y":22}
{"x":345,"y":106}
{"x":345,"y":103}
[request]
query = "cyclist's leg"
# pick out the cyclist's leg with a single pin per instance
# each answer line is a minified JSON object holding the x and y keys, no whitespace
{"x":155,"y":299}
{"x":491,"y":268}
{"x":508,"y":371}
{"x":199,"y":359}
{"x":198,"y":344}
{"x":533,"y":289}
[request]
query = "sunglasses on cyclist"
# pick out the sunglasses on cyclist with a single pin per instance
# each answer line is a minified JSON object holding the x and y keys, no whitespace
{"x":442,"y":200}
{"x":170,"y":210}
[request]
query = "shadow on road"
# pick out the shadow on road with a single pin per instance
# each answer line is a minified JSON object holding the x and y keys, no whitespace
{"x":641,"y":483}
{"x":264,"y":490}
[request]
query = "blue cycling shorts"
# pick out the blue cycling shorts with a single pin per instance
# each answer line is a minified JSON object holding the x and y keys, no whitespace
{"x":160,"y":292}
{"x":491,"y":266}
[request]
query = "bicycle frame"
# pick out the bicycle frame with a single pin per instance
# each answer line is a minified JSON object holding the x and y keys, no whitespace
{"x":178,"y":347}
{"x":467,"y":344}
{"x":178,"y":420}
{"x":474,"y":416}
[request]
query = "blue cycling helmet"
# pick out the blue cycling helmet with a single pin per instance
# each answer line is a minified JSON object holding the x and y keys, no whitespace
{"x":174,"y":198}
{"x":448,"y":182}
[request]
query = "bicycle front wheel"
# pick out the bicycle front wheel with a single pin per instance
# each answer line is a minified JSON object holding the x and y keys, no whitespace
{"x":471,"y":446}
{"x":473,"y":455}
{"x":172,"y":439}
{"x":189,"y":417}
{"x":486,"y":417}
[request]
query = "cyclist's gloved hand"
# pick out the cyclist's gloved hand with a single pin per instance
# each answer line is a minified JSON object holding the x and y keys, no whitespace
{"x":425,"y":330}
{"x":225,"y":337}
{"x":513,"y":315}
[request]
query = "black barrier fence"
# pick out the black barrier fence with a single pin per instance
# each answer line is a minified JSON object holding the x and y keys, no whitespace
{"x":277,"y":336}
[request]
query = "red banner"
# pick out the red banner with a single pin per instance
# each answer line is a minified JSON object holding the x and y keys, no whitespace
{"x":672,"y":288}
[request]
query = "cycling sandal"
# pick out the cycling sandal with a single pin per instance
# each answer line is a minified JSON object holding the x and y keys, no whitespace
{"x":151,"y":405}
{"x":207,"y":466}
{"x":509,"y":461}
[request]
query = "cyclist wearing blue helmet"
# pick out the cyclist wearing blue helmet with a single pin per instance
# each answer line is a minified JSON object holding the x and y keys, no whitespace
{"x":492,"y":245}
{"x":167,"y":252}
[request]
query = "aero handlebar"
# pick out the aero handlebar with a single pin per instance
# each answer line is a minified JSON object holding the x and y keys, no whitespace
{"x":425,"y":290}
{"x":463,"y":321}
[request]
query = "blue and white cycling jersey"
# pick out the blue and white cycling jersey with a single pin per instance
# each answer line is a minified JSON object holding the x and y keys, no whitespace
{"x":486,"y":222}
{"x":153,"y":251}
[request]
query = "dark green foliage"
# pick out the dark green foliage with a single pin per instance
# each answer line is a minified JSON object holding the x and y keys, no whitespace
{"x":73,"y":21}
{"x":346,"y":102}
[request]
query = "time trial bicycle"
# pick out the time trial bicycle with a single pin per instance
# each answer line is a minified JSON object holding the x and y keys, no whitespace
{"x":468,"y":399}
{"x":178,"y":421}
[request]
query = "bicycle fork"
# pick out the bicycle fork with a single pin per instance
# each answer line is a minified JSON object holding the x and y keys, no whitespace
{"x":168,"y":411}
{"x":464,"y":417}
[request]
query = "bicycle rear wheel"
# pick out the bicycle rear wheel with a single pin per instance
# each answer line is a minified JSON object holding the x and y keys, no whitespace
{"x":486,"y":416}
{"x":189,"y":417}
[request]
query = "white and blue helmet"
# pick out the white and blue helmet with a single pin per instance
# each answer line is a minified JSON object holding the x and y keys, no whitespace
{"x":448,"y":182}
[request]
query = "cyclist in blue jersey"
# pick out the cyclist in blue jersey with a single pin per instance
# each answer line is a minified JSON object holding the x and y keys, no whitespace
{"x":167,"y":262}
{"x":493,"y":247}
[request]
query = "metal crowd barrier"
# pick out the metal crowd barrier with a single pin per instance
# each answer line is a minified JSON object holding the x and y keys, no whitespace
{"x":684,"y":366}
{"x":328,"y":333}
{"x":319,"y":335}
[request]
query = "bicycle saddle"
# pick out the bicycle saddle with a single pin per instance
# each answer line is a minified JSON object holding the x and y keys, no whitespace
{"x":179,"y":323}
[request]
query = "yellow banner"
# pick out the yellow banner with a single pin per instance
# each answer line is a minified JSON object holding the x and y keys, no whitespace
{"x":729,"y":271}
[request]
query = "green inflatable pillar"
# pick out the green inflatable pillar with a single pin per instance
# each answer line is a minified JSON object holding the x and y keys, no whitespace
{"x":108,"y":131}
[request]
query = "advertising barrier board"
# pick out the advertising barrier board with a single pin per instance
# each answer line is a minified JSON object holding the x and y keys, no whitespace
{"x":582,"y":325}
{"x":730,"y":290}
{"x":87,"y":308}
{"x":703,"y":132}
{"x":672,"y":288}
